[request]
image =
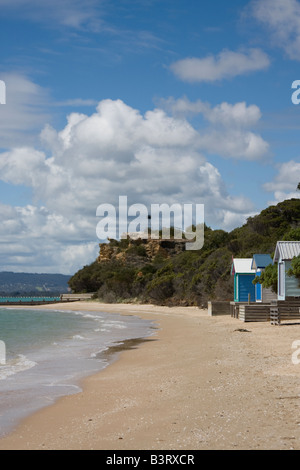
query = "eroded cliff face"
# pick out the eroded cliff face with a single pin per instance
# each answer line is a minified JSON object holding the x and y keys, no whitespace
{"x":139,"y":252}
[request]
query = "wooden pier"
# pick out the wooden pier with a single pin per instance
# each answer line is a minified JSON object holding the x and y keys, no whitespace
{"x":43,"y":301}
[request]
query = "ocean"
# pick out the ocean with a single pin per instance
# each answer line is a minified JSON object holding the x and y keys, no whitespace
{"x":48,"y":352}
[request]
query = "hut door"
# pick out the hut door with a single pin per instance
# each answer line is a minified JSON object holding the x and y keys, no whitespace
{"x":281,"y":274}
{"x":258,"y":289}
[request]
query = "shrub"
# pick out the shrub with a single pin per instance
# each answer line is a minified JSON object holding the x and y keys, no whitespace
{"x":161,"y":288}
{"x":268,"y":277}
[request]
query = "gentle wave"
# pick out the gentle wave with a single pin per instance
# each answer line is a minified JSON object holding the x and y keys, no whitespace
{"x":19,"y":364}
{"x":78,"y":337}
{"x":50,"y":351}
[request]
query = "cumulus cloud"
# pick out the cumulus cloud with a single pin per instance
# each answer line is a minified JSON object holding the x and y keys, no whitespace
{"x":282,"y":18}
{"x":234,"y":144}
{"x":238,"y":114}
{"x":151,"y":158}
{"x":229,"y":132}
{"x":226,"y":65}
{"x":284,"y":184}
{"x":34,"y":239}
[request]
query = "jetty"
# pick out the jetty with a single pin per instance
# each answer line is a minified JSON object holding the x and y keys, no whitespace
{"x":35,"y":300}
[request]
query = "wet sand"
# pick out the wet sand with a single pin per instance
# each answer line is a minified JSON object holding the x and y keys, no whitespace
{"x":199,"y":382}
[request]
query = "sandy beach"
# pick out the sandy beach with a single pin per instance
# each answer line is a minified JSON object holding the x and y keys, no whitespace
{"x":199,"y":382}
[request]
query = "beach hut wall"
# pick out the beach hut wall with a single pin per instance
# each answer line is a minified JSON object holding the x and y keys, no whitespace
{"x":288,"y":286}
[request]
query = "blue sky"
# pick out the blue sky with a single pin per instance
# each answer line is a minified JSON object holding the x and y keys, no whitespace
{"x":164,"y":101}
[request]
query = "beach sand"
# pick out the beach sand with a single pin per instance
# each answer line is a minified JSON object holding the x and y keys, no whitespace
{"x":199,"y":382}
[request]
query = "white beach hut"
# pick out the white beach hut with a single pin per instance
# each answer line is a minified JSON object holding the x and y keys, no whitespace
{"x":288,"y":286}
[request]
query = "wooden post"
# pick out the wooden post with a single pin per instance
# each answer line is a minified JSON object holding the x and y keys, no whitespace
{"x":249,"y":297}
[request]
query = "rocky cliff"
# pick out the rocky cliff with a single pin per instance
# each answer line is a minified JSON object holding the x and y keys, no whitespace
{"x":139,"y":252}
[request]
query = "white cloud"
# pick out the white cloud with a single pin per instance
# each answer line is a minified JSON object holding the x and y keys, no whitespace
{"x":284,"y":184}
{"x":235,"y":144}
{"x":22,"y":116}
{"x":238,"y":115}
{"x":233,"y":219}
{"x":282,"y":17}
{"x":229,"y":133}
{"x":226,"y":65}
{"x":34,"y":239}
{"x":151,"y":158}
{"x":183,"y":107}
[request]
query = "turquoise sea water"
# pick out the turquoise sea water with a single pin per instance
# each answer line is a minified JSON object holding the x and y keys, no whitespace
{"x":48,"y":352}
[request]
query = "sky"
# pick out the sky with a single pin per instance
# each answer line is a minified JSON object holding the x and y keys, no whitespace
{"x":162,"y":101}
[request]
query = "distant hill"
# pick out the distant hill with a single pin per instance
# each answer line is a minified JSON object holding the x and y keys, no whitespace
{"x":148,"y":271}
{"x":30,"y":283}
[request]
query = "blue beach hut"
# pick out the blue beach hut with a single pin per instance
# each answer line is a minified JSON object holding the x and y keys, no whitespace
{"x":288,"y":286}
{"x":259,"y":263}
{"x":243,"y":274}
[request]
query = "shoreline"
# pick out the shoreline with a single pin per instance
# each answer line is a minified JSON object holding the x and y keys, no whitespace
{"x":200,"y":382}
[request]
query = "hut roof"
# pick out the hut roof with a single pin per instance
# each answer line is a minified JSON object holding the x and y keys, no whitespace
{"x":286,"y":250}
{"x":261,"y":261}
{"x":242,"y":266}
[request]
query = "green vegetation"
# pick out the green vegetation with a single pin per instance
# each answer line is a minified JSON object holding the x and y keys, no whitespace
{"x":295,"y":268}
{"x":189,"y":277}
{"x":268,"y":277}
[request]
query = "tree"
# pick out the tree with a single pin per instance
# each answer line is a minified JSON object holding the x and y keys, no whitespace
{"x":298,"y":187}
{"x":268,"y":277}
{"x":295,"y":267}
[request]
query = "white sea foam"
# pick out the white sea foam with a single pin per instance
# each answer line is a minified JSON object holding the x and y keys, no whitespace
{"x":119,"y":325}
{"x":78,"y":337}
{"x":20,"y":364}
